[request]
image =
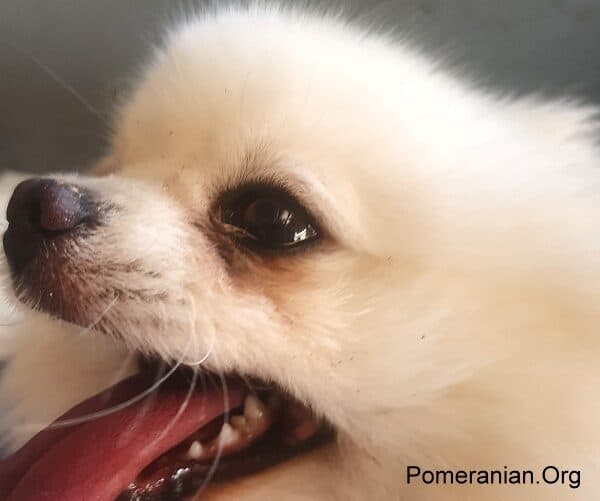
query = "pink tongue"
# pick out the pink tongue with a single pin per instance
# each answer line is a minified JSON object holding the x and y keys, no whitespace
{"x":96,"y":461}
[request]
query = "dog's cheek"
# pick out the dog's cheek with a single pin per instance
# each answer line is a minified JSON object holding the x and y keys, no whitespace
{"x":311,"y":302}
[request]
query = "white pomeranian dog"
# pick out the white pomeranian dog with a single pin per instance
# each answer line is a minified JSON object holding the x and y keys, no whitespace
{"x":339,"y":272}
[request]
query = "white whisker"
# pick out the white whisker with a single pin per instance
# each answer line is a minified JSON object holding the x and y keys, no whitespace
{"x":62,"y":423}
{"x":217,"y":459}
{"x":181,"y":409}
{"x":193,"y":336}
{"x":105,"y":412}
{"x":101,"y":316}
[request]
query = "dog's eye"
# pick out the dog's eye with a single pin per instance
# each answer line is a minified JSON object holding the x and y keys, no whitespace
{"x":269,"y":218}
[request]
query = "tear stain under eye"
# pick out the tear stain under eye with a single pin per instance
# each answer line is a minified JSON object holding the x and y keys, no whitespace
{"x":274,"y":275}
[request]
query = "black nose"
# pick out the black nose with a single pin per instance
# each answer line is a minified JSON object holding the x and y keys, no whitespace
{"x":40,"y":210}
{"x":47,"y":205}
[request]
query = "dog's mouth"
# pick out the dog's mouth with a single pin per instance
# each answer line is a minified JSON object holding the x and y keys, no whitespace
{"x":168,"y":445}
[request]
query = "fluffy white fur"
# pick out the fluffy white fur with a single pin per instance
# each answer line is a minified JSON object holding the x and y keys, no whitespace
{"x":450,"y":322}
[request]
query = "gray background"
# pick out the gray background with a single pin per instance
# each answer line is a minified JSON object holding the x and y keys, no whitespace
{"x":92,"y":46}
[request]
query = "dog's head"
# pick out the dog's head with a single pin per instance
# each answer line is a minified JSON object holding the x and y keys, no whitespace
{"x":252,"y":216}
{"x":257,"y":214}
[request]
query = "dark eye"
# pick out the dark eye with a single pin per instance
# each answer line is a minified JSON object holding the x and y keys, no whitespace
{"x":268,"y":218}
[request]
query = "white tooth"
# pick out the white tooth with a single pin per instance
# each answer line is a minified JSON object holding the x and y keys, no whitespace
{"x":196,"y":450}
{"x":254,"y":409}
{"x":239,"y":422}
{"x":228,"y":435}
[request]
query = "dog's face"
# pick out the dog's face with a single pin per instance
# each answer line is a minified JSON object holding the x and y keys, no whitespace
{"x":283,"y":201}
{"x":250,"y":216}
